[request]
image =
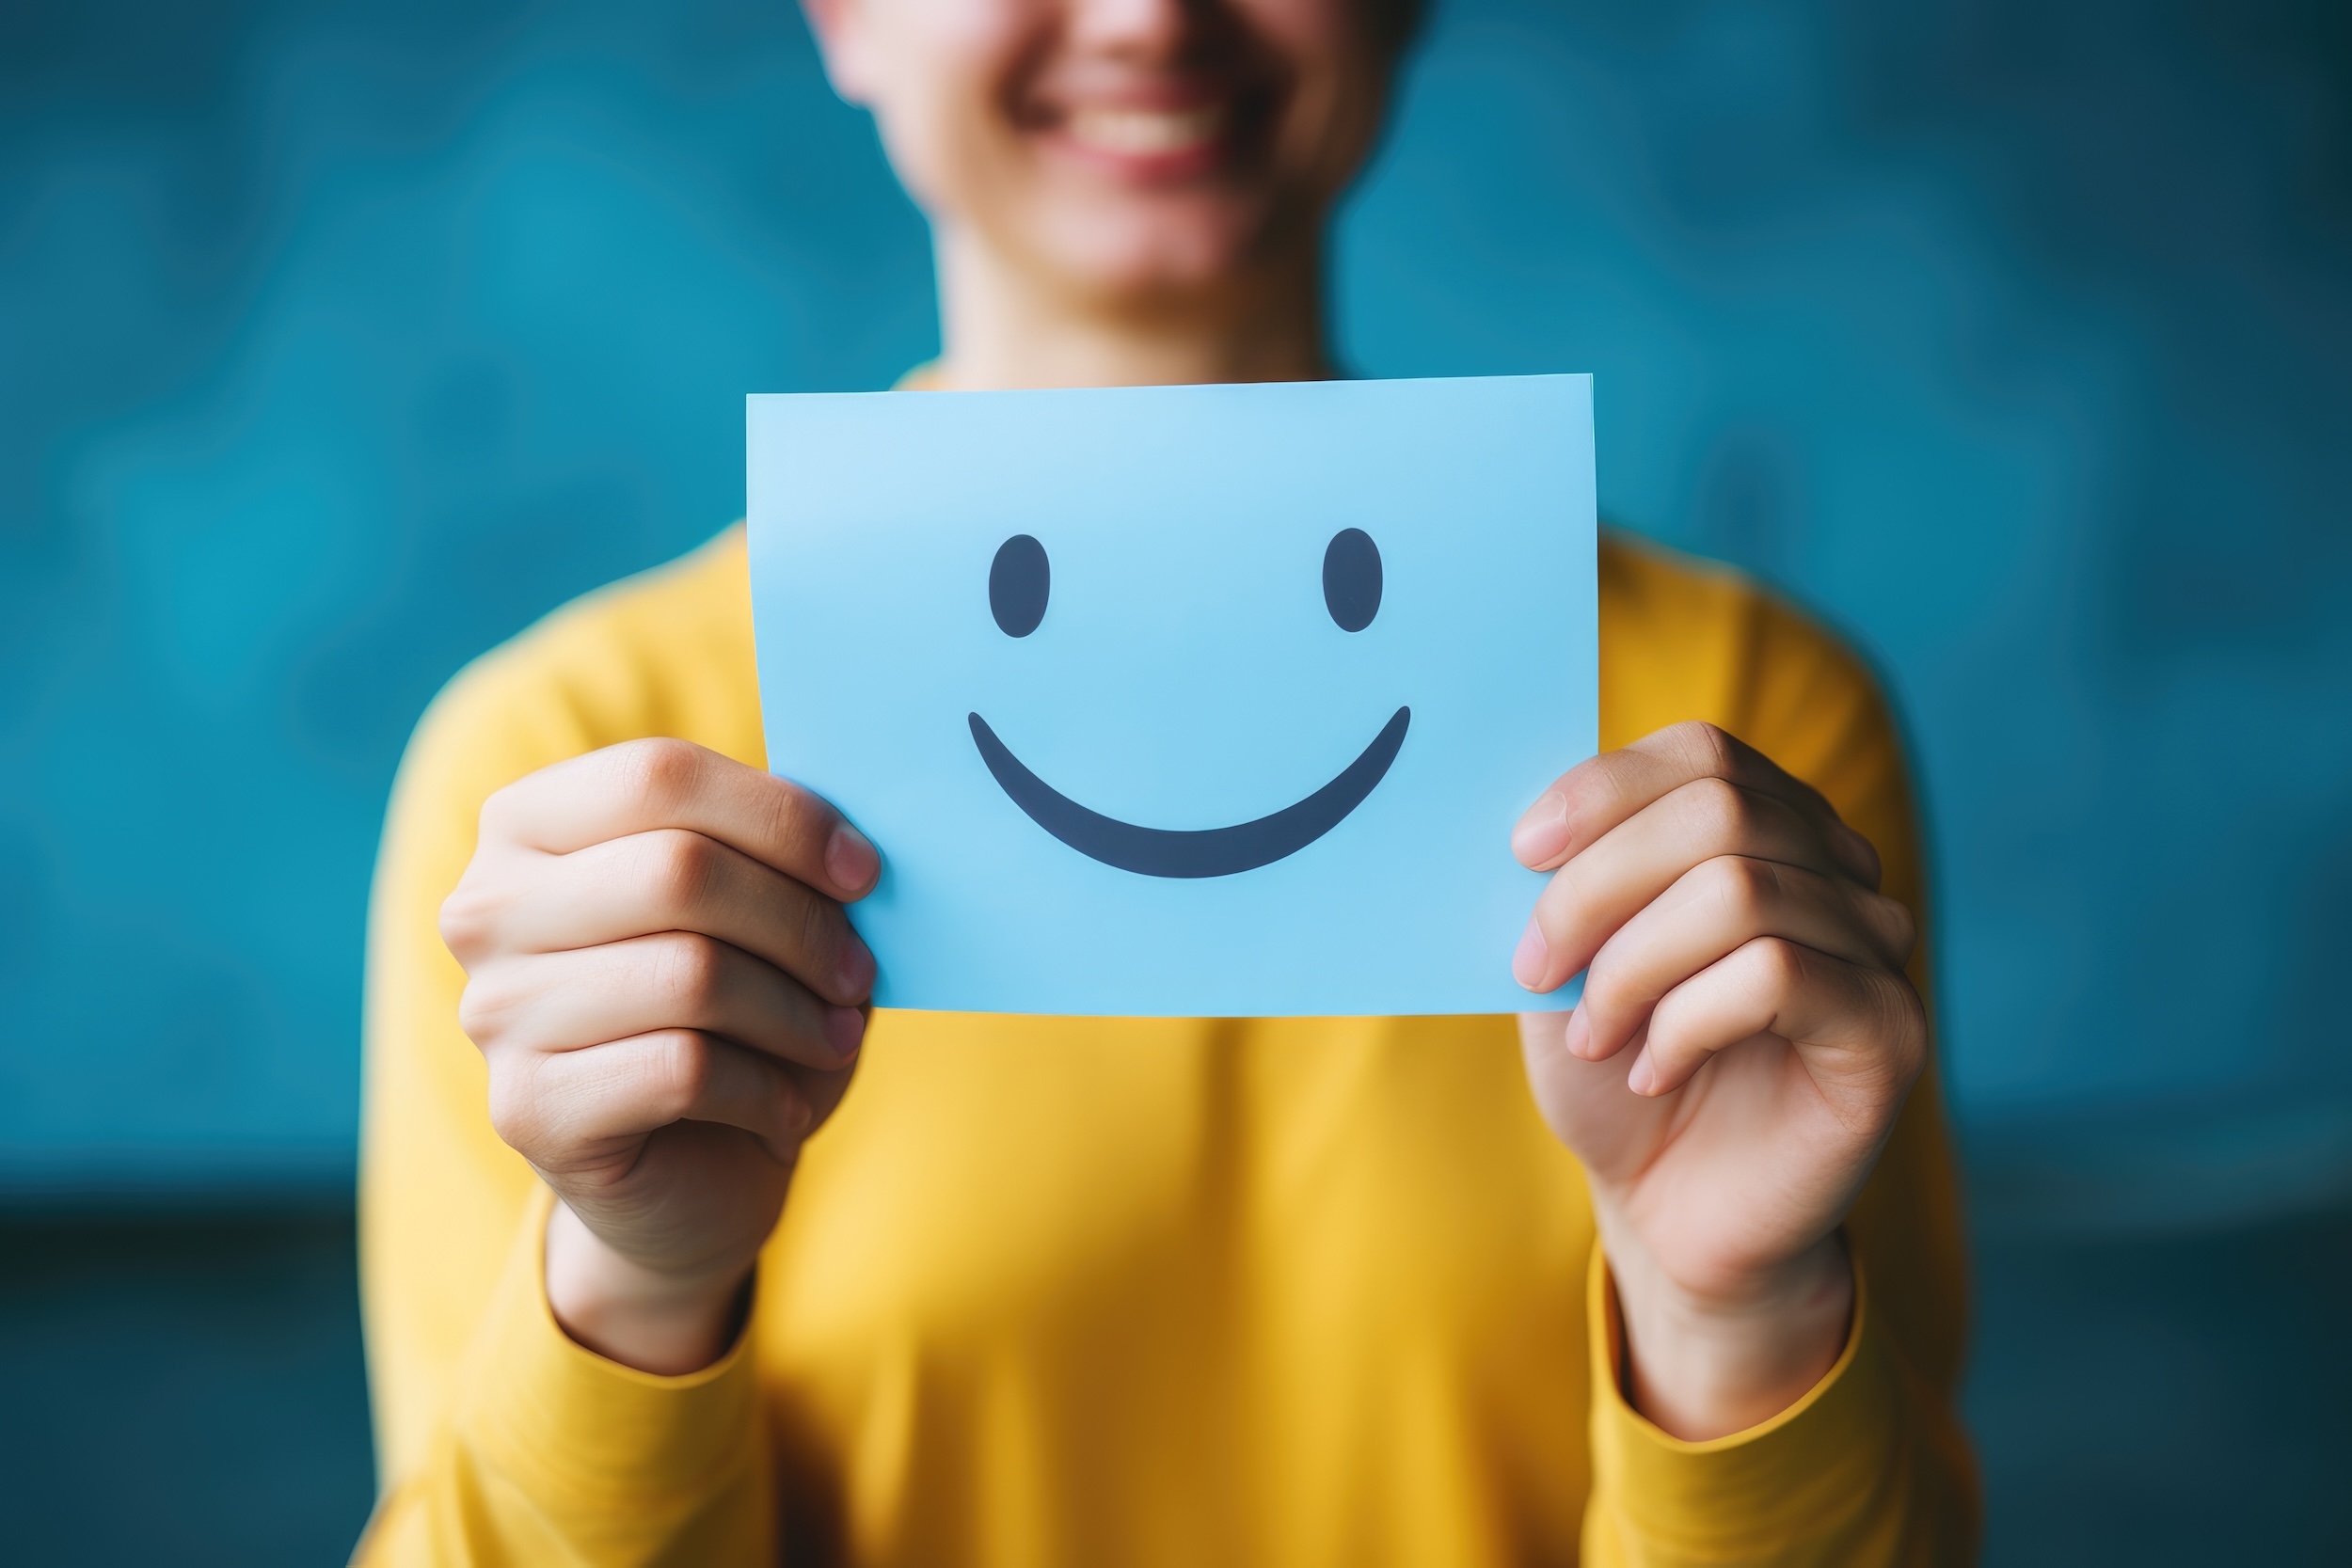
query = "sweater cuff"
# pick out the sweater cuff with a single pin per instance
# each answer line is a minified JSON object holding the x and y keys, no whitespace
{"x":1803,"y":1475}
{"x":588,"y":1436}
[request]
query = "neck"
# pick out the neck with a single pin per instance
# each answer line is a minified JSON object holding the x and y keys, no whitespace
{"x":1001,"y":327}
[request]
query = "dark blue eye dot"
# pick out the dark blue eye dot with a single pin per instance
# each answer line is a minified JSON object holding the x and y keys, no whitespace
{"x":1018,"y":583}
{"x":1351,"y":579}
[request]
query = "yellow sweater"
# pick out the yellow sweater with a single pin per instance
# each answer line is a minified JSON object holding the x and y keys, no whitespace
{"x":1121,"y":1292}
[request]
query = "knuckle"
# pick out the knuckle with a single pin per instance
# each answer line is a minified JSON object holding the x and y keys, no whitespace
{"x":1709,"y":749}
{"x":1606,"y":981}
{"x":460,"y":923}
{"x":793,"y":1112}
{"x":678,"y":1072}
{"x":495,"y":821}
{"x":815,"y":931}
{"x":684,"y":867}
{"x":518,"y":1114}
{"x":1780,"y":964}
{"x":473,"y":1017}
{"x":659,"y":773}
{"x":1720,"y":810}
{"x":485,"y":1009}
{"x":469,"y":918}
{"x":788,"y":812}
{"x":686,"y":973}
{"x":796,"y":819}
{"x":1865,"y":854}
{"x":1743,"y":888}
{"x":1901,"y":925}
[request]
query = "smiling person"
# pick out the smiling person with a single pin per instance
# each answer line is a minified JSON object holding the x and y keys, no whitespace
{"x":675,"y":1252}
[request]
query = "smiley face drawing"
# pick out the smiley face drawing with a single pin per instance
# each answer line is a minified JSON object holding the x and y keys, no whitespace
{"x":1020,"y":584}
{"x":1190,"y":701}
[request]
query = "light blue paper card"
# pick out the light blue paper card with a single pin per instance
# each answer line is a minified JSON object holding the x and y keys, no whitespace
{"x":1202,"y":700}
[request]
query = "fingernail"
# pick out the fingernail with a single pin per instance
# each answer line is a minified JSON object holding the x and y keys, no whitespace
{"x":850,"y":860}
{"x":1543,"y":832}
{"x":1577,"y":1035}
{"x":1639,"y":1077}
{"x":845,"y":1028}
{"x":1533,"y":955}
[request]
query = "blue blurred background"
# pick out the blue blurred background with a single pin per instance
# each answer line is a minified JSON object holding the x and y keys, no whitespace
{"x":340,"y":339}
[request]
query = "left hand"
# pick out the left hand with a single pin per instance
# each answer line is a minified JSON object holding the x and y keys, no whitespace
{"x":1744,"y":1043}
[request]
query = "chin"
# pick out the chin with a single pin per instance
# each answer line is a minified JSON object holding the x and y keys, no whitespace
{"x":1189,"y":246}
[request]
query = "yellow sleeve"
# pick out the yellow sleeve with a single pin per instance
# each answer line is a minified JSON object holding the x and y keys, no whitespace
{"x":499,"y":1439}
{"x":1871,"y":1466}
{"x":549,"y":1453}
{"x":1854,"y":1473}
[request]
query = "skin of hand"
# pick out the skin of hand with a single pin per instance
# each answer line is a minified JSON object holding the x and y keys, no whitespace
{"x":670,"y":999}
{"x":1745,"y":1039}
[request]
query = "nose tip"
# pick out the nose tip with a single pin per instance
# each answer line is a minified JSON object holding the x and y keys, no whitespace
{"x":1131,"y":24}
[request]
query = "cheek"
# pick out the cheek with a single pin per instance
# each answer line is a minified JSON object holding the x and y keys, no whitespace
{"x":945,"y":74}
{"x":1335,"y":103}
{"x":1307,"y":33}
{"x":1335,"y":69}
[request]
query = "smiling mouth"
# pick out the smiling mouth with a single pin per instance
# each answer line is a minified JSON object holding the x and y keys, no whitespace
{"x":1146,"y":132}
{"x":1201,"y":852}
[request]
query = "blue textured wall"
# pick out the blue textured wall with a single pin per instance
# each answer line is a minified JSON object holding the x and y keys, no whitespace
{"x":340,"y":340}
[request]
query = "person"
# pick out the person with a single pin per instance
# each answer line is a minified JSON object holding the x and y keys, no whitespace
{"x":675,"y":1252}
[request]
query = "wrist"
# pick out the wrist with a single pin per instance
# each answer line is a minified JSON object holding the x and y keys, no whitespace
{"x":657,"y":1321}
{"x":1708,"y":1364}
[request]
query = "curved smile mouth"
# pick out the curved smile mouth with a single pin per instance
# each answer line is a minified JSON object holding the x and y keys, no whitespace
{"x":1201,"y":852}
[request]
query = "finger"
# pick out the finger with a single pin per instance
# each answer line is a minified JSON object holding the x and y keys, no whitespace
{"x":1712,"y":911}
{"x":1589,"y":801}
{"x":823,"y":1089}
{"x":558,"y":1105}
{"x":548,"y":1002}
{"x":1584,"y":1101}
{"x":671,"y":880}
{"x":641,"y":785}
{"x":1857,"y":1028}
{"x":1612,"y":881}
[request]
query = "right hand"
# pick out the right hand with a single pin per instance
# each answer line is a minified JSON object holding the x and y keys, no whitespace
{"x":671,"y":1000}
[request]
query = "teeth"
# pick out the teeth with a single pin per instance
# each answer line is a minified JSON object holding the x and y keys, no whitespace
{"x":1144,"y":132}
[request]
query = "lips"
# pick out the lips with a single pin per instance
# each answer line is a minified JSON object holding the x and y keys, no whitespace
{"x":1193,"y":853}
